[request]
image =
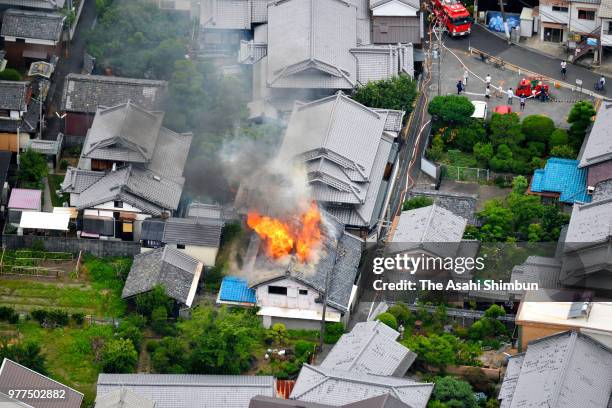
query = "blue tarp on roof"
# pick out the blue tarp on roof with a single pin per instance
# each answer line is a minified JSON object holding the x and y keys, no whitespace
{"x":235,"y":289}
{"x":564,"y":177}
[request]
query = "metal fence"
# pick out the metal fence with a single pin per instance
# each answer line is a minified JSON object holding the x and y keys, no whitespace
{"x":461,"y":173}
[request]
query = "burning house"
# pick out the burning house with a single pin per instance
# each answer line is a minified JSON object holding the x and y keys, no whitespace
{"x":349,"y":152}
{"x":287,"y":271}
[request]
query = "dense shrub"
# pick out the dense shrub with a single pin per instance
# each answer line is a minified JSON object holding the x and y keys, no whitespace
{"x":50,"y":317}
{"x":558,"y":137}
{"x":564,"y":151}
{"x":451,"y":109}
{"x":119,"y":356}
{"x":303,"y":349}
{"x":333,"y":331}
{"x":401,"y":313}
{"x":538,"y":128}
{"x":8,"y":314}
{"x":416,"y":202}
{"x":10,"y":74}
{"x":398,"y":93}
{"x":78,"y":318}
{"x":469,"y":135}
{"x":388,"y":319}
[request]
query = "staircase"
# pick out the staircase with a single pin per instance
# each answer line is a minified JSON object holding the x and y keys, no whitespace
{"x":583,"y":48}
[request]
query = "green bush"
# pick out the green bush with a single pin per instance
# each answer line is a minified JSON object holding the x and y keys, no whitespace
{"x":436,"y":151}
{"x":303,"y":349}
{"x":401,"y":313}
{"x":502,"y":161}
{"x":152,"y":346}
{"x":131,"y":328}
{"x":469,"y":135}
{"x":58,"y":317}
{"x":8,"y":314}
{"x":333,"y":332}
{"x":564,"y":151}
{"x":119,"y":356}
{"x":78,"y":318}
{"x":63,"y":164}
{"x":483,"y":152}
{"x":39,"y":315}
{"x":416,"y":202}
{"x":398,"y":93}
{"x":10,"y":74}
{"x":159,"y":320}
{"x":451,"y":109}
{"x":388,"y":319}
{"x":279,"y":333}
{"x":558,"y":137}
{"x":538,"y":128}
{"x":536,"y":149}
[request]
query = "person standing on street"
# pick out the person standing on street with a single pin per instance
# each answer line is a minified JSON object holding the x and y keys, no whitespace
{"x":488,"y":80}
{"x":522,"y":102}
{"x":510,"y":96}
{"x":563,"y":68}
{"x":459,"y":87}
{"x":465,"y":78}
{"x":488,"y":92}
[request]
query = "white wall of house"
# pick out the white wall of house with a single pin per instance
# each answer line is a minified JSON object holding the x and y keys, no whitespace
{"x":395,"y":8}
{"x":298,"y":304}
{"x":206,"y":255}
{"x":110,"y":206}
{"x":580,"y":14}
{"x":606,"y":32}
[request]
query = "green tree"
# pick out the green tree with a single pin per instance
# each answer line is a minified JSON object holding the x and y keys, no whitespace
{"x":454,"y":393}
{"x":32,"y":168}
{"x":470,"y":134}
{"x":279,"y":333}
{"x":171,"y":356}
{"x":10,"y":74}
{"x":483,"y":153}
{"x":436,"y":150}
{"x":502,"y":161}
{"x":520,"y":184}
{"x":451,"y":109}
{"x":505,"y":130}
{"x":498,"y":221}
{"x":119,"y":356}
{"x":538,"y":128}
{"x":388,"y":319}
{"x":159,"y":320}
{"x":27,"y":354}
{"x":495,"y":311}
{"x":563,"y":151}
{"x":416,"y":202}
{"x":131,"y":328}
{"x":149,"y":301}
{"x":580,"y":118}
{"x":397,"y":93}
{"x":558,"y":137}
{"x":402,"y":314}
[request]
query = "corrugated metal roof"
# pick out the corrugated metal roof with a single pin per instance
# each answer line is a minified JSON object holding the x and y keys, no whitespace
{"x":564,"y":177}
{"x":235,"y":289}
{"x":189,"y":390}
{"x":14,"y":376}
{"x":25,"y":198}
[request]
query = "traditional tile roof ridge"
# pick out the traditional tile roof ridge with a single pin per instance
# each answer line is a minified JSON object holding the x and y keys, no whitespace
{"x":567,"y":369}
{"x":85,"y":93}
{"x":32,"y":24}
{"x":123,"y":398}
{"x":590,"y":222}
{"x":597,"y":146}
{"x":123,"y":119}
{"x":371,"y":349}
{"x":78,"y":180}
{"x":430,"y":215}
{"x":376,"y":3}
{"x":311,"y":379}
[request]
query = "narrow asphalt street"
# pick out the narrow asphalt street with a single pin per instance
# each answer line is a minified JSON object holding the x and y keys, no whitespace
{"x":66,"y":65}
{"x":490,"y":43}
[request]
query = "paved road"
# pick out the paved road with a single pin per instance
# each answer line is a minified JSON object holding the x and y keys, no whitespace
{"x":490,"y":43}
{"x":72,"y":64}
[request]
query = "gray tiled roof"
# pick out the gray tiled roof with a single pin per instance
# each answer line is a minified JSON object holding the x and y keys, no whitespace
{"x":598,"y":144}
{"x":344,"y":160}
{"x":177,"y":272}
{"x":381,"y":401}
{"x":13,"y":95}
{"x":85,"y":93}
{"x":370,"y":348}
{"x":335,"y":387}
{"x":461,"y":204}
{"x":193,"y":231}
{"x":226,"y":14}
{"x":433,"y":225}
{"x":201,"y":210}
{"x":14,"y":376}
{"x":8,"y":402}
{"x":32,"y":24}
{"x":513,"y":371}
{"x":39,"y":4}
{"x":123,"y":398}
{"x":339,"y":255}
{"x":317,"y":37}
{"x":191,"y":391}
{"x":125,"y":133}
{"x":564,"y":370}
{"x":78,"y":180}
{"x":590,"y":222}
{"x":538,"y":269}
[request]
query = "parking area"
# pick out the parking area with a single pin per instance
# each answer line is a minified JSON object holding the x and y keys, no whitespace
{"x":452,"y":71}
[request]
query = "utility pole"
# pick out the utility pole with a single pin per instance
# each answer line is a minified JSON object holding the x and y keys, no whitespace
{"x":505,"y":22}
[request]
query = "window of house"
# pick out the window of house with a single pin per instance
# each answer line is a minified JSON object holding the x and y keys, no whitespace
{"x":277,"y":290}
{"x":118,"y":204}
{"x":560,"y":9}
{"x":303,"y":292}
{"x":609,"y":27}
{"x":180,"y":246}
{"x":586,"y":14}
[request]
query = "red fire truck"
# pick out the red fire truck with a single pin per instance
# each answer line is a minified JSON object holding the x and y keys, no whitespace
{"x":454,"y":16}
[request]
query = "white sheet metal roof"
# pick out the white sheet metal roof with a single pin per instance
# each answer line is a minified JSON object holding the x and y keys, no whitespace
{"x":44,"y":220}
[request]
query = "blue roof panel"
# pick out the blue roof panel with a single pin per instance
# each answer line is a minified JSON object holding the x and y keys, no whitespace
{"x":235,"y":289}
{"x":564,"y":177}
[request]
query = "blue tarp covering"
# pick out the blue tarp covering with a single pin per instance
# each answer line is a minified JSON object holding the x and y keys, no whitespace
{"x":235,"y":289}
{"x":564,"y":177}
{"x":496,"y":23}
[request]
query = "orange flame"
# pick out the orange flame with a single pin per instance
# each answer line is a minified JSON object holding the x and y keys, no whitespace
{"x":281,"y":237}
